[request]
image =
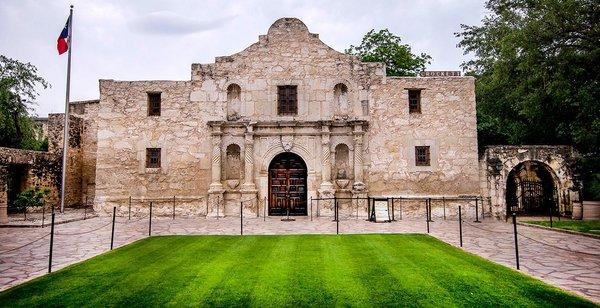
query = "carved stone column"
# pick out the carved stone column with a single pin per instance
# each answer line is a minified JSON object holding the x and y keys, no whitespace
{"x":359,"y":189}
{"x":3,"y":195}
{"x":326,"y":189}
{"x":358,"y":154}
{"x":248,"y":190}
{"x":326,"y":159}
{"x":216,"y":201}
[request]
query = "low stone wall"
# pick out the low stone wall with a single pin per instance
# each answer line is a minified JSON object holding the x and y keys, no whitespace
{"x":42,"y":169}
{"x":138,"y":207}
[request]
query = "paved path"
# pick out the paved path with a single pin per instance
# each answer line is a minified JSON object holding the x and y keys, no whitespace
{"x":571,"y":262}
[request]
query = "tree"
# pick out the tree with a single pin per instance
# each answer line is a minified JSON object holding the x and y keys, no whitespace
{"x":17,"y":88}
{"x":384,"y":46}
{"x":537,"y":69}
{"x":537,"y":64}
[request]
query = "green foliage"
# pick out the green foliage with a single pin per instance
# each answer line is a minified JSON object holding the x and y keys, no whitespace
{"x":384,"y":46}
{"x":17,"y":89}
{"x":585,"y":226}
{"x":30,"y":197}
{"x":537,"y":65}
{"x":594,"y":187}
{"x":284,"y":271}
{"x":589,"y":168}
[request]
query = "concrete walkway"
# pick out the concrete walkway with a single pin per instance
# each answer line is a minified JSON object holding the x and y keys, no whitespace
{"x":568,"y":261}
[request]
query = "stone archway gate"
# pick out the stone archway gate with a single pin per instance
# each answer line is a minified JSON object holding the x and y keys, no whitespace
{"x":498,"y":161}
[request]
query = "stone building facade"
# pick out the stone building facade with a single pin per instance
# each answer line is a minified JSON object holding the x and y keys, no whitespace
{"x":283,"y":121}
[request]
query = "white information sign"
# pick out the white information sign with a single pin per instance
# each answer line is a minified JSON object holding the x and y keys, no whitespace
{"x":382,"y":213}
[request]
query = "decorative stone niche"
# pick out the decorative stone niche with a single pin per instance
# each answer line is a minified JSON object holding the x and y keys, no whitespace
{"x":234,"y":103}
{"x":341,"y":168}
{"x":340,"y":100}
{"x":233,"y":166}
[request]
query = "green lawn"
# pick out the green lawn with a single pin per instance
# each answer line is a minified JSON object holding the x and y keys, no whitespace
{"x":586,"y":226}
{"x":304,"y":270}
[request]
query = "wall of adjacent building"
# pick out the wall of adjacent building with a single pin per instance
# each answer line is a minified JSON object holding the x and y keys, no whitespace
{"x":447,"y":123}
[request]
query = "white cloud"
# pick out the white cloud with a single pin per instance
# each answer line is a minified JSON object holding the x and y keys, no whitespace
{"x":170,"y":23}
{"x":158,"y":39}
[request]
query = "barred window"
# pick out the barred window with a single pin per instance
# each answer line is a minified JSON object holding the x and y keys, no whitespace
{"x":422,"y":157}
{"x":287,"y":100}
{"x":153,"y":158}
{"x":154,"y":103}
{"x":414,"y":101}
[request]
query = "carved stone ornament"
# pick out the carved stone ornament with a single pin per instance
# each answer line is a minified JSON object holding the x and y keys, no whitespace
{"x":287,"y":142}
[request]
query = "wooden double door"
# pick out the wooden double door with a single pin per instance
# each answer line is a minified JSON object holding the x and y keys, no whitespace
{"x":287,"y":185}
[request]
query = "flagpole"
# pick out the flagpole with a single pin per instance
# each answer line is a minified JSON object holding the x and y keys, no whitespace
{"x":66,"y":126}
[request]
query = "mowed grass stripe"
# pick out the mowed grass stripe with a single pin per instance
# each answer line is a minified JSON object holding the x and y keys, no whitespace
{"x":301,"y":270}
{"x":208,"y":274}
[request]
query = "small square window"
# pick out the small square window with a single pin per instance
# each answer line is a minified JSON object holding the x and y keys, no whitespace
{"x":422,"y":156}
{"x":154,"y":100}
{"x":153,"y":158}
{"x":287,"y":100}
{"x":414,"y":101}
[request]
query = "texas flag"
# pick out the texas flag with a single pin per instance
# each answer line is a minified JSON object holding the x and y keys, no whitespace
{"x":62,"y":44}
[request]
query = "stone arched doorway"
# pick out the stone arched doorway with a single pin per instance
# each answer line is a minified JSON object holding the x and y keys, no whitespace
{"x":531,"y":189}
{"x":287,"y":185}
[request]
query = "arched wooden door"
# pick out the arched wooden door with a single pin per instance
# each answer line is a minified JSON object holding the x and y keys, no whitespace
{"x":287,"y":185}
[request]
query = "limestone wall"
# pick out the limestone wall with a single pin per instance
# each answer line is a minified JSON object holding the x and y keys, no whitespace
{"x":87,"y":111}
{"x":447,"y":123}
{"x":73,"y":192}
{"x":288,"y":55}
{"x":125,"y":131}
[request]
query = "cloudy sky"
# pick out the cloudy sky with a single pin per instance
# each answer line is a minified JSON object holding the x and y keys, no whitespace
{"x":159,"y":39}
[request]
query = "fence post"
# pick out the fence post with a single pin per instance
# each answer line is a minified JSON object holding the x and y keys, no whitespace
{"x":43,"y":214}
{"x":460,"y":224}
{"x":129,"y":207}
{"x":476,"y":210}
{"x":335,"y":214}
{"x":337,"y":220}
{"x":514,"y":219}
{"x":368,"y":208}
{"x":51,"y":244}
{"x":150,"y":221}
{"x":112,"y":232}
{"x":482,"y":209}
{"x":427,"y":214}
{"x":393,"y":218}
{"x":444,"y":205}
{"x":173,"y":207}
{"x":311,"y":218}
{"x":241,"y":218}
{"x":550,"y":211}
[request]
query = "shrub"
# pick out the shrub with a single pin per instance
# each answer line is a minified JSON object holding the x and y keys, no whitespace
{"x":31,"y":197}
